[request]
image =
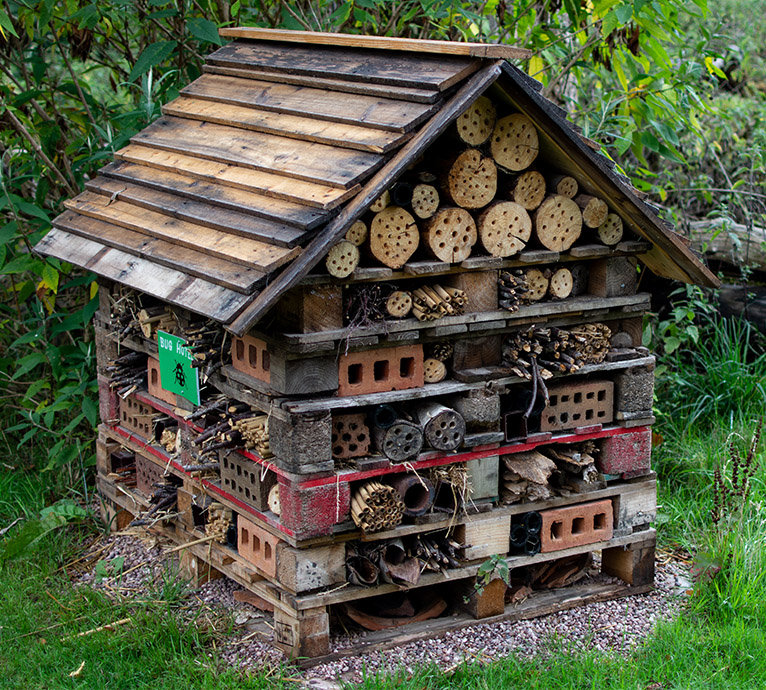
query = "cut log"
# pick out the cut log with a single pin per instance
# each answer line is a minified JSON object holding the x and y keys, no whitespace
{"x":504,"y":228}
{"x":401,"y":441}
{"x":342,"y":259}
{"x":558,"y":223}
{"x":425,"y":200}
{"x":733,"y":243}
{"x":528,"y":189}
{"x":471,"y":180}
{"x":536,"y":283}
{"x":594,"y":210}
{"x":561,"y":284}
{"x":475,"y":125}
{"x":563,"y":185}
{"x":610,"y":231}
{"x":382,"y":202}
{"x":444,"y":428}
{"x":399,"y":304}
{"x":434,"y":371}
{"x":273,"y":500}
{"x":450,"y":234}
{"x":357,"y":233}
{"x":393,"y":236}
{"x":514,"y":142}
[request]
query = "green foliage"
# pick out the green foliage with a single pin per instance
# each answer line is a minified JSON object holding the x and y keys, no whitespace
{"x":494,"y":567}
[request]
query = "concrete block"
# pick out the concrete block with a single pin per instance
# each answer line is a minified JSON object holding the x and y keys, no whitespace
{"x":634,"y":389}
{"x":302,"y":633}
{"x":301,"y":443}
{"x":628,"y":454}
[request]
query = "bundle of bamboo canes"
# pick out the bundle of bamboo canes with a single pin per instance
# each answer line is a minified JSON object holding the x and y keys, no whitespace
{"x":376,"y":507}
{"x":431,"y":302}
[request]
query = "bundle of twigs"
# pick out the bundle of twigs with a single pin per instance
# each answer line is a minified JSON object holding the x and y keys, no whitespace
{"x":366,"y":304}
{"x":127,"y":373}
{"x":163,"y":500}
{"x":223,"y":433}
{"x":123,"y":312}
{"x":376,"y":507}
{"x":436,"y":551}
{"x":431,"y":302}
{"x":206,"y":341}
{"x":153,"y":319}
{"x":219,"y":518}
{"x":255,"y":433}
{"x":512,"y":289}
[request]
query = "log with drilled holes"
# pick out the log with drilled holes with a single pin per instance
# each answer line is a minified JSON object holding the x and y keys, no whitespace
{"x":342,"y":259}
{"x":610,"y":231}
{"x":514,"y":143}
{"x":561,"y":284}
{"x":399,"y":304}
{"x":273,"y":500}
{"x":471,"y":180}
{"x":394,"y":236}
{"x":558,"y":223}
{"x":475,"y":125}
{"x":383,"y":201}
{"x":594,"y":210}
{"x":563,"y":185}
{"x":434,"y":370}
{"x":444,"y":428}
{"x":425,"y":200}
{"x":357,"y":233}
{"x":528,"y":189}
{"x":401,"y":441}
{"x":450,"y":234}
{"x":537,"y":283}
{"x":504,"y":228}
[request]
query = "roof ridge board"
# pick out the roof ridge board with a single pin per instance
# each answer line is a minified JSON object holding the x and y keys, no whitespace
{"x":256,"y":119}
{"x":665,"y":242}
{"x":306,"y":218}
{"x":177,"y":206}
{"x":317,"y":248}
{"x":441,"y":48}
{"x":403,"y":93}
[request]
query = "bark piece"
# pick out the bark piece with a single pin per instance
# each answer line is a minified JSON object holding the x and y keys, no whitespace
{"x":399,"y":304}
{"x":357,"y":233}
{"x":425,"y":200}
{"x":393,"y":236}
{"x":504,"y":228}
{"x":528,"y":189}
{"x":471,"y":180}
{"x":563,"y":185}
{"x":530,"y":466}
{"x":561,"y":283}
{"x":475,"y":125}
{"x":514,"y":142}
{"x":558,"y":223}
{"x":611,"y":230}
{"x":594,"y":210}
{"x":342,"y":259}
{"x":450,"y":234}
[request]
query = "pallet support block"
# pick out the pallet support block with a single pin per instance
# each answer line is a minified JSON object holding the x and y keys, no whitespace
{"x":304,"y":570}
{"x":628,"y":455}
{"x":115,"y":517}
{"x":633,"y":564}
{"x":480,"y":288}
{"x":489,"y":602}
{"x":301,"y":443}
{"x":313,"y":511}
{"x":635,"y":507}
{"x":312,"y":309}
{"x":612,"y":277}
{"x":302,"y":633}
{"x":197,"y":571}
{"x":485,"y":535}
{"x":381,"y":370}
{"x":303,"y":376}
{"x":634,"y":390}
{"x":475,"y":353}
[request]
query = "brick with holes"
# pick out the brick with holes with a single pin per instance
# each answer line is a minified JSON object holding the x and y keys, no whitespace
{"x":154,"y":383}
{"x":148,"y":473}
{"x":136,"y":417}
{"x":251,"y":356}
{"x":350,"y":436}
{"x":245,"y":479}
{"x":578,"y":404}
{"x":570,"y":526}
{"x":380,"y":370}
{"x":257,"y":545}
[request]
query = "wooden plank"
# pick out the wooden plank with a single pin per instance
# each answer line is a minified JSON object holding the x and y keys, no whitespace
{"x":200,"y":264}
{"x":483,"y":50}
{"x":238,"y":249}
{"x":418,"y":71}
{"x":304,"y":128}
{"x":400,"y":93}
{"x":348,"y":109}
{"x":194,"y":294}
{"x":234,"y":222}
{"x":300,"y":160}
{"x":317,"y":196}
{"x":372,"y":190}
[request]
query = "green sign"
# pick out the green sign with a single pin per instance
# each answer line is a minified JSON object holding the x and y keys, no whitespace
{"x":176,"y":372}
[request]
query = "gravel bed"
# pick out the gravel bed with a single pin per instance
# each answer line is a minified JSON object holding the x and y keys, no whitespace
{"x":612,"y":626}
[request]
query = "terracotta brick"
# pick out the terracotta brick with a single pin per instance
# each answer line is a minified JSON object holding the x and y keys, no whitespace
{"x":154,"y":383}
{"x":578,"y":404}
{"x":570,"y":526}
{"x":251,"y":356}
{"x":247,"y":480}
{"x":314,"y":511}
{"x":350,"y":436}
{"x":384,"y":369}
{"x":136,"y":417}
{"x":147,"y":474}
{"x":257,"y":545}
{"x":629,"y":455}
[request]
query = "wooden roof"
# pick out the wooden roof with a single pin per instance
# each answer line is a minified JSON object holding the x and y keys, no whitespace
{"x":261,"y":164}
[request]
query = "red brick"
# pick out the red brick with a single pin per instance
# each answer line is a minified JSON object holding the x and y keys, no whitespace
{"x":585,"y":523}
{"x":629,"y":455}
{"x":257,"y":546}
{"x":154,"y":383}
{"x":251,"y":356}
{"x":314,"y":511}
{"x":350,"y":436}
{"x":379,"y":370}
{"x":136,"y":417}
{"x":579,"y":403}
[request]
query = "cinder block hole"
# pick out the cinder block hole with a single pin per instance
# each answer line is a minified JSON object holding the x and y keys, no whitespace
{"x":578,"y":525}
{"x":252,"y":478}
{"x":352,"y":447}
{"x":578,"y":397}
{"x":244,"y":537}
{"x":564,"y":398}
{"x":576,"y":416}
{"x":564,"y":417}
{"x":239,"y":351}
{"x":406,"y":367}
{"x":247,"y":492}
{"x":337,"y":450}
{"x":588,"y":414}
{"x":599,"y":521}
{"x":355,"y":374}
{"x":256,"y":544}
{"x":267,"y":551}
{"x":557,"y":529}
{"x":252,"y":356}
{"x":380,"y":370}
{"x":155,"y":377}
{"x":265,"y":361}
{"x":554,"y":401}
{"x":226,"y":463}
{"x":239,"y":470}
{"x":602,"y":395}
{"x":601,"y":413}
{"x":590,"y":395}
{"x":551,"y":420}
